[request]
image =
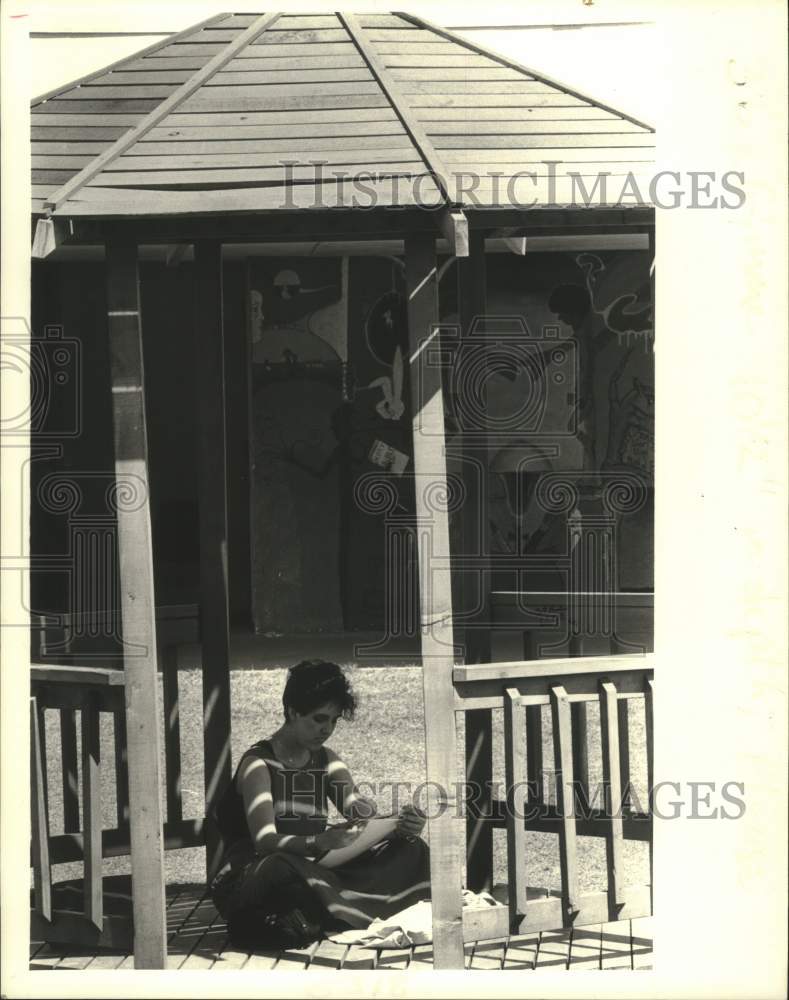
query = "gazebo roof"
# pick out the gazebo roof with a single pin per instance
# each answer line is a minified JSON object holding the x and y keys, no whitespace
{"x":256,"y":112}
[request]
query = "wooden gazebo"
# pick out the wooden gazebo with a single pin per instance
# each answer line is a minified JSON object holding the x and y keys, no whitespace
{"x":286,"y":129}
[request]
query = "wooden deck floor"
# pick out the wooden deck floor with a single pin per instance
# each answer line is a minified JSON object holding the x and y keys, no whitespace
{"x":198,"y":940}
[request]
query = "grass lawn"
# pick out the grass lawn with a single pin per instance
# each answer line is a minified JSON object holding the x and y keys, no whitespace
{"x":384,"y":744}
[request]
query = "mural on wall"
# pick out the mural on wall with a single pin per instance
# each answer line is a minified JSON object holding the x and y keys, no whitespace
{"x":297,"y":346}
{"x":601,"y":305}
{"x":331,"y":405}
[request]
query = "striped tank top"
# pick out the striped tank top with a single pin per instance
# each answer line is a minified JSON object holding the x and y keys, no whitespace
{"x":300,"y":800}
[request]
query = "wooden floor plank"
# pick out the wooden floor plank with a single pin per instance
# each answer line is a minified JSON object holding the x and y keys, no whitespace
{"x":359,"y":958}
{"x":488,"y":954}
{"x":209,"y":947}
{"x":521,"y":952}
{"x":421,"y":958}
{"x":259,"y":960}
{"x":296,"y":959}
{"x":106,"y":961}
{"x":329,"y":955}
{"x":554,"y":951}
{"x":585,"y":946}
{"x":77,"y":959}
{"x":190,"y":933}
{"x":181,"y":902}
{"x":615,"y":953}
{"x":393,"y":958}
{"x":48,"y":956}
{"x":230,"y":958}
{"x":641,"y":939}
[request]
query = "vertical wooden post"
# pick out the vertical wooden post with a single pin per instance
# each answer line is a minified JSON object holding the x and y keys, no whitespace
{"x":137,"y":603}
{"x":479,"y":731}
{"x":435,"y":598}
{"x":212,"y":480}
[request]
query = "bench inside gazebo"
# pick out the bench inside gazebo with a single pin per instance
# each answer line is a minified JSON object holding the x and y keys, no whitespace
{"x":348,"y":135}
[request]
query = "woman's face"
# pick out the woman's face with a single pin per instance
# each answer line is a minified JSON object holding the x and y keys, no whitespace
{"x":313,"y":728}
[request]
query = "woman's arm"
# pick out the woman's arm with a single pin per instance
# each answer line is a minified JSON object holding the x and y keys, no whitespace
{"x":343,"y":791}
{"x":255,"y":786}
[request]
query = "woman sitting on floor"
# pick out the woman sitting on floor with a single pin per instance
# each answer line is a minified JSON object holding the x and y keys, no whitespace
{"x":273,"y":820}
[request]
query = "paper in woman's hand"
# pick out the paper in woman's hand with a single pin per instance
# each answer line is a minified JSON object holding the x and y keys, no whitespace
{"x":374,"y":830}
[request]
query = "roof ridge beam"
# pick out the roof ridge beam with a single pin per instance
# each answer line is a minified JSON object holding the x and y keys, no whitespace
{"x":147,"y":51}
{"x":480,"y":50}
{"x":453,"y":222}
{"x":195,"y":81}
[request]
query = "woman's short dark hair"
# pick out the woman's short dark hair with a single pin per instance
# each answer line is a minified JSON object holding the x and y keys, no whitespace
{"x":313,"y":683}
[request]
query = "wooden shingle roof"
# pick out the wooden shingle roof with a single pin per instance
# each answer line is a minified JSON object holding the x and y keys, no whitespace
{"x":257,"y":113}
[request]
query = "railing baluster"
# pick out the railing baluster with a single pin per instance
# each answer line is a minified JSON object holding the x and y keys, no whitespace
{"x":624,"y":750}
{"x":650,"y":735}
{"x":91,"y":812}
{"x":565,"y":799}
{"x":609,"y":731}
{"x":580,"y":752}
{"x":514,"y":761}
{"x":42,"y":747}
{"x":68,"y":754}
{"x":42,"y":873}
{"x":534,"y":762}
{"x":172,"y":733}
{"x":121,"y":766}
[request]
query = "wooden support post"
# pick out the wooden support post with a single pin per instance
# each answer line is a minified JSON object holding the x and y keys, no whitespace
{"x":435,"y":596}
{"x":212,"y":480}
{"x":565,"y":800}
{"x":42,"y":871}
{"x":515,"y":779}
{"x":68,"y":756}
{"x":476,"y":594}
{"x":609,"y":733}
{"x":91,"y":813}
{"x":137,"y":603}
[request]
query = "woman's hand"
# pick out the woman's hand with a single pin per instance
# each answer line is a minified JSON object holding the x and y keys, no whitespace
{"x":341,"y":835}
{"x":411,"y":821}
{"x":361,"y":808}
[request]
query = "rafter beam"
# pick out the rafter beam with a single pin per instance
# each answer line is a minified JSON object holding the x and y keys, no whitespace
{"x":452,"y":221}
{"x":153,"y":118}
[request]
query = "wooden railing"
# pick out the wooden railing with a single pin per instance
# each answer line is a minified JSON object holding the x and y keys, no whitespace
{"x":524,"y":690}
{"x":80,"y":693}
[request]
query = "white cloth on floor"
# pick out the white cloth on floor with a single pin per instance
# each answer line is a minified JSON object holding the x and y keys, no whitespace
{"x":414,"y":925}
